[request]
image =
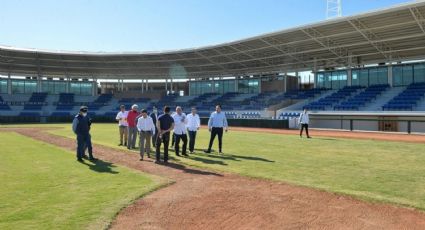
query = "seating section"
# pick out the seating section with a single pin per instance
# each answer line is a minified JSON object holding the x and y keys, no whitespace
{"x":288,"y":115}
{"x":361,"y":99}
{"x":408,"y":99}
{"x":251,"y":115}
{"x":333,"y":99}
{"x":3,"y":104}
{"x":66,"y":102}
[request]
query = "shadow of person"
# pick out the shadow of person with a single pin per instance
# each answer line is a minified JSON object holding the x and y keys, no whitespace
{"x":238,"y":157}
{"x":101,"y":166}
{"x":191,"y":170}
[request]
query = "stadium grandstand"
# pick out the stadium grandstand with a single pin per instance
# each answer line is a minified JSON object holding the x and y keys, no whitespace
{"x":369,"y":73}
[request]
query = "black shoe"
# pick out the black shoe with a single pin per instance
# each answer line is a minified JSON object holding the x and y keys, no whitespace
{"x":207,"y":151}
{"x":119,"y":144}
{"x":85,"y":157}
{"x":93,"y":159}
{"x":141,"y":159}
{"x":308,"y":137}
{"x":184,"y":154}
{"x":149,"y":156}
{"x":157,"y":162}
{"x":125,"y":144}
{"x":80,"y":160}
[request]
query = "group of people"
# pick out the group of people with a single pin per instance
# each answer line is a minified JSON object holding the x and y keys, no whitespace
{"x":151,"y":128}
{"x":157,"y":130}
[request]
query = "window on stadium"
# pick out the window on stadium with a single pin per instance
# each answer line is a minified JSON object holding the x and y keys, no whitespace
{"x":332,"y":80}
{"x":24,"y":86}
{"x":53,"y":87}
{"x":419,"y":72}
{"x":404,"y":75}
{"x":81,"y":88}
{"x":370,"y":76}
{"x":3,"y":86}
{"x":248,"y":86}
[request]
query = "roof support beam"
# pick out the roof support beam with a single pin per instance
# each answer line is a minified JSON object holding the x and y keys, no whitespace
{"x":327,"y":43}
{"x":244,"y":52}
{"x":372,"y":38}
{"x":418,"y":18}
{"x":299,"y":59}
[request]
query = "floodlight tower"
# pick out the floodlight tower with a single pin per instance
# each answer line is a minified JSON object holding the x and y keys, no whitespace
{"x":333,"y":9}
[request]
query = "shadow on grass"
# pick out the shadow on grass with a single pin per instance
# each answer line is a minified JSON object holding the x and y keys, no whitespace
{"x":101,"y":166}
{"x":191,"y":170}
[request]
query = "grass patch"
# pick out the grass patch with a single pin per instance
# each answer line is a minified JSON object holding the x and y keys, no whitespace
{"x":44,"y":187}
{"x":373,"y":170}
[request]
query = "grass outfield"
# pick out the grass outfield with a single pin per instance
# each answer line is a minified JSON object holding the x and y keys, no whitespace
{"x":372,"y":170}
{"x":43,"y":187}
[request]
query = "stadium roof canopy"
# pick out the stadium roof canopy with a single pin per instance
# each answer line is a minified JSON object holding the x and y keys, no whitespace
{"x":388,"y":35}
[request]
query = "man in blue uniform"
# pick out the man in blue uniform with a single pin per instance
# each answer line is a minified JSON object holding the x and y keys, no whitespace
{"x":81,"y":127}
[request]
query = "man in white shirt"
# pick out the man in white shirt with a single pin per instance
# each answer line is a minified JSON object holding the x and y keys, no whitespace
{"x":122,"y":125}
{"x":180,"y":131}
{"x":303,"y":121}
{"x":146,"y":130}
{"x":193,"y":124}
{"x":216,"y":124}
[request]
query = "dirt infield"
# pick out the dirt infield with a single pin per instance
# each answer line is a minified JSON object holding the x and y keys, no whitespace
{"x":201,"y":199}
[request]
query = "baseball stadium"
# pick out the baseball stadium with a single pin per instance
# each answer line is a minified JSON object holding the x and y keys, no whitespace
{"x":319,"y":126}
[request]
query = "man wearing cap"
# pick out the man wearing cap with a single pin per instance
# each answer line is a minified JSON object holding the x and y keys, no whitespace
{"x":180,"y":131}
{"x":146,"y":130}
{"x":193,"y":124}
{"x":132,"y":129}
{"x":164,"y":125}
{"x":122,"y":125}
{"x":81,"y":127}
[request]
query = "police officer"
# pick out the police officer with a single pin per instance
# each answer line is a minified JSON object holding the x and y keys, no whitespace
{"x":81,"y":127}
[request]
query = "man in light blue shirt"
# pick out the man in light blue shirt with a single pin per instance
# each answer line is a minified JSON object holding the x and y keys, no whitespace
{"x":216,"y":124}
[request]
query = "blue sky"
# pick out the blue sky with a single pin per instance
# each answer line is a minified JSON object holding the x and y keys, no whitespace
{"x":155,"y":25}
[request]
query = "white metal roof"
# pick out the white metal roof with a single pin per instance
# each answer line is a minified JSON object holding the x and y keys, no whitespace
{"x":391,"y":34}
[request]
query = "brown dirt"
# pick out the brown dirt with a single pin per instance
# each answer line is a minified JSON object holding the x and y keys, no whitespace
{"x":202,"y":199}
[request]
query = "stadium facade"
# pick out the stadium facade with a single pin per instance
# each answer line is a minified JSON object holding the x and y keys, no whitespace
{"x":371,"y":62}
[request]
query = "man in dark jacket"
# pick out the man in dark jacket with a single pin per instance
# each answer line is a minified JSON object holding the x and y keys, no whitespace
{"x":81,"y":127}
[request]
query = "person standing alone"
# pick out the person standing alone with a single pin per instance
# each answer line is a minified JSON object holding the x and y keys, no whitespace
{"x":164,"y":125}
{"x":303,"y":121}
{"x":132,"y":129}
{"x":81,"y":128}
{"x":146,"y":130}
{"x":193,"y":125}
{"x":180,"y":131}
{"x":122,"y":125}
{"x":216,"y":124}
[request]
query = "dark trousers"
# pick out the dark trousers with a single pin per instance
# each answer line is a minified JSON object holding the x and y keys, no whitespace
{"x":192,"y":138}
{"x":179,"y":137}
{"x":165,"y":139}
{"x":302,"y":128}
{"x":154,"y":137}
{"x":173,"y":140}
{"x":83,"y":142}
{"x":216,"y":132}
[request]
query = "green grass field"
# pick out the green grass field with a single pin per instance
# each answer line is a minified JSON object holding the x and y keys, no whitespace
{"x":44,"y":187}
{"x":373,"y":170}
{"x":391,"y":172}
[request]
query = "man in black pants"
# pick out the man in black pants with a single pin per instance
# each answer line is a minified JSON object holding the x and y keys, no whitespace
{"x":216,"y":124}
{"x":180,"y":131}
{"x":303,"y":121}
{"x":193,"y":125}
{"x":164,"y":125}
